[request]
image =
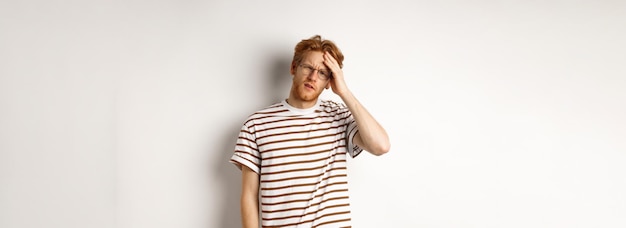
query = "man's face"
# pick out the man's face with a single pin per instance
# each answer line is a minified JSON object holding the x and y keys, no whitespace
{"x":307,"y":84}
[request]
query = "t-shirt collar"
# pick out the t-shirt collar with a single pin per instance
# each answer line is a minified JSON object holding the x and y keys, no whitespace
{"x":301,"y":111}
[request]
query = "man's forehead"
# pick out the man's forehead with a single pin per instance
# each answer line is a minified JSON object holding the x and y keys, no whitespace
{"x":314,"y":57}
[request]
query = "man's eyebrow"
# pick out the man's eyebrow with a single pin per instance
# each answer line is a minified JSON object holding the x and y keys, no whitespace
{"x":324,"y":67}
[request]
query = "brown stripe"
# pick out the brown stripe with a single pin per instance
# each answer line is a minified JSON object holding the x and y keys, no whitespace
{"x":244,"y":145}
{"x":246,"y":139}
{"x":334,"y":221}
{"x":298,"y":132}
{"x":301,"y":208}
{"x":288,"y":194}
{"x":303,"y":200}
{"x":284,"y":120}
{"x":308,"y":153}
{"x":298,"y":125}
{"x":271,"y":112}
{"x":304,"y":192}
{"x":265,"y":113}
{"x":299,"y":139}
{"x":304,"y":146}
{"x":311,"y":220}
{"x":244,"y":131}
{"x":337,"y":112}
{"x":300,"y":161}
{"x":302,"y":185}
{"x":302,"y":169}
{"x":248,"y":153}
{"x":304,"y":215}
{"x":302,"y":177}
{"x":292,"y":118}
{"x":301,"y":119}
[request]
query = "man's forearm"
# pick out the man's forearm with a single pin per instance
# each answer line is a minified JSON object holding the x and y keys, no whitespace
{"x":249,"y":211}
{"x":249,"y":198}
{"x":372,"y":135}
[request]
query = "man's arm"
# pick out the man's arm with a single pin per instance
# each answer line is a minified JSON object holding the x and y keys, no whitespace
{"x":372,"y":136}
{"x":249,"y":198}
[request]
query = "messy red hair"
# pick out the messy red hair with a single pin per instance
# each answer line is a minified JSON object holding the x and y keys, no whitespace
{"x":316,"y":43}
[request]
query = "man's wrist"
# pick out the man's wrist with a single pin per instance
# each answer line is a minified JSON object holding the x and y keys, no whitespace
{"x":346,"y":96}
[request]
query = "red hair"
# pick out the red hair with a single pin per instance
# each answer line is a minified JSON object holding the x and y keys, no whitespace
{"x":316,"y":43}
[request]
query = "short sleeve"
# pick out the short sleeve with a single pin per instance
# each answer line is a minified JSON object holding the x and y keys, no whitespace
{"x":352,"y":129}
{"x":246,"y":151}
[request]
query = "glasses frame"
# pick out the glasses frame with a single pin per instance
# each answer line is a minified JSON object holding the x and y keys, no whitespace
{"x":322,"y":74}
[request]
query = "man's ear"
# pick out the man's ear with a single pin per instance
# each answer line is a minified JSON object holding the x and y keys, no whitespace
{"x":328,"y":85}
{"x":292,"y":71}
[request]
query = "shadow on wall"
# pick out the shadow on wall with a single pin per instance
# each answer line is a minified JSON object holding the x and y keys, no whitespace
{"x":280,"y":79}
{"x":229,"y":180}
{"x":229,"y":176}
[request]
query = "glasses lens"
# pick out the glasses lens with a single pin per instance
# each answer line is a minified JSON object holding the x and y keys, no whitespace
{"x":323,"y":74}
{"x":308,"y":69}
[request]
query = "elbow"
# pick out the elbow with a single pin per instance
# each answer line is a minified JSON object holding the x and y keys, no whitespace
{"x":381,"y":149}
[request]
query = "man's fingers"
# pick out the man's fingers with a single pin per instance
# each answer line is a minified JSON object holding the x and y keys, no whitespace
{"x":330,"y":61}
{"x":330,"y":58}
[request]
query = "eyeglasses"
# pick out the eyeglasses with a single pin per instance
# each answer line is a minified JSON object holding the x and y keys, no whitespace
{"x":322,"y":74}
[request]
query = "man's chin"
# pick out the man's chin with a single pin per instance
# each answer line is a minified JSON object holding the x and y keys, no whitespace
{"x":308,"y":96}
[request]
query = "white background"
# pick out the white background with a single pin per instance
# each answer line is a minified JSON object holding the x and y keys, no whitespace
{"x":501,"y":113}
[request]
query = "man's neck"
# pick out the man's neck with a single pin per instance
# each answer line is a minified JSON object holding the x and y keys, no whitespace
{"x":300,"y":103}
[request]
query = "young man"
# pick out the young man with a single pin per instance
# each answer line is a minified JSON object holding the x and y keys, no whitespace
{"x":293,"y":154}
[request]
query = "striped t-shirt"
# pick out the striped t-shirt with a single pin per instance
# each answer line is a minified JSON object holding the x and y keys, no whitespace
{"x":300,"y":156}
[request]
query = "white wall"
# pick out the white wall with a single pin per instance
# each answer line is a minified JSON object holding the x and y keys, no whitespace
{"x":501,"y":113}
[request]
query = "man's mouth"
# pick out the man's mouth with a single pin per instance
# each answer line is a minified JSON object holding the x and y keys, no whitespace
{"x":307,"y":85}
